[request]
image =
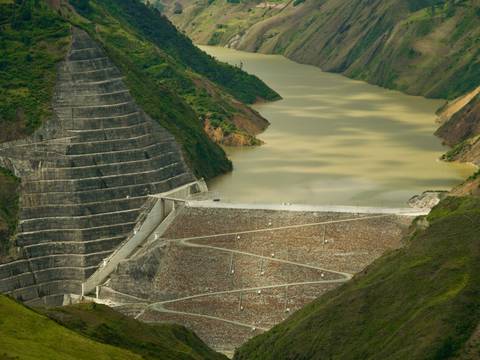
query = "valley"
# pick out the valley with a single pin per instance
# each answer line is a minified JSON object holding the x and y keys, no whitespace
{"x":335,"y":141}
{"x":305,"y":186}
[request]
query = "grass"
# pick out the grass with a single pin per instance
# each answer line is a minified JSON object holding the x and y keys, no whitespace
{"x":457,"y":150}
{"x":419,"y":302}
{"x":33,"y":40}
{"x":25,"y":334}
{"x":160,"y":341}
{"x":90,"y":331}
{"x":157,"y":29}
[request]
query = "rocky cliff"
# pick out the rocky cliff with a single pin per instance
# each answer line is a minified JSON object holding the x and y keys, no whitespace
{"x":460,"y":129}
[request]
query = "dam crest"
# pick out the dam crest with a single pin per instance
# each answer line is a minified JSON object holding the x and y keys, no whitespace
{"x":110,"y":212}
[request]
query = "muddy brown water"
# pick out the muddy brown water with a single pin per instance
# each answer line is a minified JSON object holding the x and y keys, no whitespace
{"x":333,"y":140}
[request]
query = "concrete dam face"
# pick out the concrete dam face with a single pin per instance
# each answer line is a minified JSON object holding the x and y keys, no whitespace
{"x":86,"y":176}
{"x":106,"y":211}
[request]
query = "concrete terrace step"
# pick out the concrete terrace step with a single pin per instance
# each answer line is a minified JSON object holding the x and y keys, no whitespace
{"x":67,"y":88}
{"x":118,"y":133}
{"x":147,"y":152}
{"x":89,"y":64}
{"x":106,"y":146}
{"x":85,"y":209}
{"x":78,"y":198}
{"x":67,"y":223}
{"x":80,"y":187}
{"x":84,"y":234}
{"x":56,"y":287}
{"x":63,"y":273}
{"x":85,"y":201}
{"x":102,"y":182}
{"x":115,"y":97}
{"x":25,"y":279}
{"x":14,"y":268}
{"x":73,"y":247}
{"x":122,"y":130}
{"x":46,"y":262}
{"x":85,"y":53}
{"x":103,"y":110}
{"x":96,"y":170}
{"x":104,"y":123}
{"x":90,"y":76}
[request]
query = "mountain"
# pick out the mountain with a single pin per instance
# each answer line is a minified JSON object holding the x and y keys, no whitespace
{"x":182,"y":88}
{"x":177,"y":84}
{"x":91,"y":331}
{"x":419,"y":302}
{"x":427,"y":47}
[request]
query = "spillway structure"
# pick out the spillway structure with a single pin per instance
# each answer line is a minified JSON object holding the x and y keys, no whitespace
{"x":86,"y":177}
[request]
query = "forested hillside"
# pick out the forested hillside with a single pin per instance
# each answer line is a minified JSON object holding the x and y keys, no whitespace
{"x":428,"y":47}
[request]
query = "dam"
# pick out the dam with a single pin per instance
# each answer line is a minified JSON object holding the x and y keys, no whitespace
{"x":111,"y":213}
{"x":86,"y":177}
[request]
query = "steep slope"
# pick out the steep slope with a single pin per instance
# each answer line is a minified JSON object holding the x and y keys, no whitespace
{"x":420,"y":47}
{"x":35,"y":38}
{"x":141,"y":38}
{"x":26,"y":334}
{"x":419,"y":302}
{"x":160,"y":31}
{"x":86,"y":176}
{"x":461,"y":131}
{"x":158,"y":341}
{"x":94,"y":332}
{"x":32,"y":42}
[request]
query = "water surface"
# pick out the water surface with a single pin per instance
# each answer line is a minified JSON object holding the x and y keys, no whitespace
{"x":333,"y":140}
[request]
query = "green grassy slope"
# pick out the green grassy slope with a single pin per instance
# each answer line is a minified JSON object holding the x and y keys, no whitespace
{"x":160,"y":31}
{"x":25,"y":334}
{"x":419,"y":302}
{"x":428,"y":47}
{"x":160,"y":341}
{"x":91,"y":331}
{"x":33,"y":39}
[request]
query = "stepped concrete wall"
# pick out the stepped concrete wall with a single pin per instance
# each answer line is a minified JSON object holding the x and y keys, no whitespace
{"x":86,"y":177}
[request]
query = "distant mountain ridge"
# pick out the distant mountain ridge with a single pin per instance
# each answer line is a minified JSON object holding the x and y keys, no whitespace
{"x":427,"y":48}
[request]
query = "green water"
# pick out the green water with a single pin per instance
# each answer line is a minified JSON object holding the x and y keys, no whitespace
{"x":333,"y":140}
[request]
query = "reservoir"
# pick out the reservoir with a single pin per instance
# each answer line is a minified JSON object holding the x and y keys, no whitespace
{"x":335,"y":141}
